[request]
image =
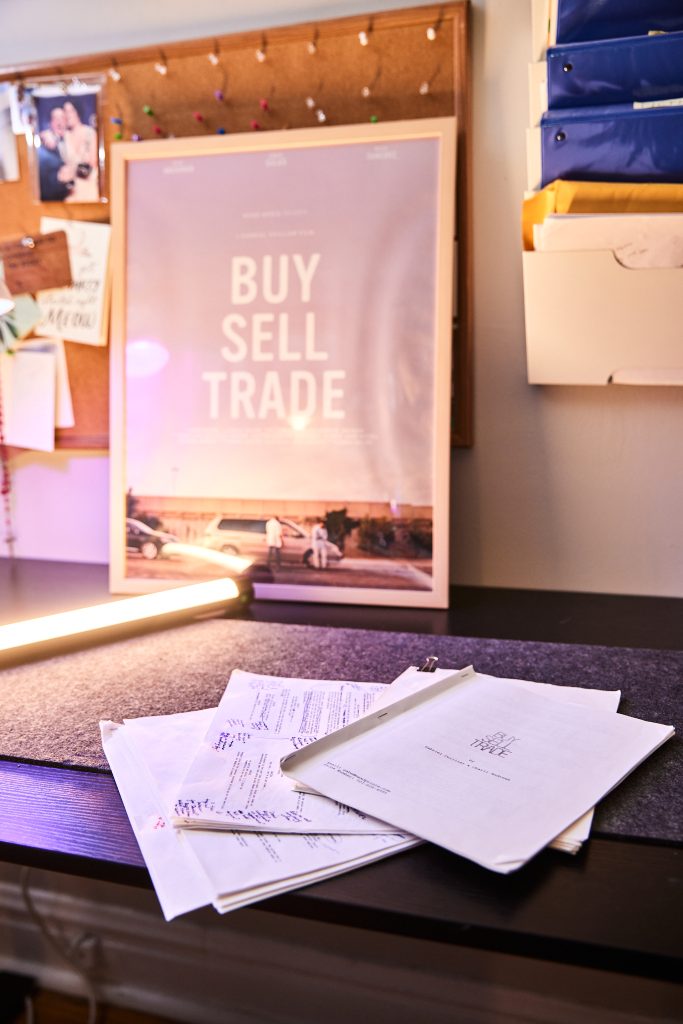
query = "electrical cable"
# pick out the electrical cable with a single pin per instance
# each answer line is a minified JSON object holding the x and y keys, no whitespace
{"x":57,"y":946}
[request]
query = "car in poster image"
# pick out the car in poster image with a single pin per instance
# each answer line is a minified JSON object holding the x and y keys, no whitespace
{"x":142,"y":538}
{"x":238,"y":536}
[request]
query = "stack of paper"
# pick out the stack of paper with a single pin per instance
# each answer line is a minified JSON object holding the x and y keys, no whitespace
{"x":572,"y":838}
{"x":493,"y":769}
{"x":266,"y":852}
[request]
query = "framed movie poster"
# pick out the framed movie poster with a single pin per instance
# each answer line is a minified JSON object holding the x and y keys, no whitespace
{"x":281,"y":361}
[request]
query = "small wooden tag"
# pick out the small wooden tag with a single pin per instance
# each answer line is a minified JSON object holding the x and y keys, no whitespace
{"x":35,"y":262}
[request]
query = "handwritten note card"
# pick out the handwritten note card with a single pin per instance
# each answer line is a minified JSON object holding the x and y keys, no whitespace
{"x":79,"y":313}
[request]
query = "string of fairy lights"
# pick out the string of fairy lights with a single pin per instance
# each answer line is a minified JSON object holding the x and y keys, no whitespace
{"x":259,"y":121}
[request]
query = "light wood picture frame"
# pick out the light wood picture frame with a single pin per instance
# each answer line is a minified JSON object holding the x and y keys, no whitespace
{"x":281,"y":361}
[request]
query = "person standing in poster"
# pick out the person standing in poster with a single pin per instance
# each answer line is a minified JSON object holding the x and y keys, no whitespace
{"x":274,"y":541}
{"x":319,"y":538}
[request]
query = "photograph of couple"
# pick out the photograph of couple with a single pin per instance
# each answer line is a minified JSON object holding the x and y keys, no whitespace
{"x":67,"y":149}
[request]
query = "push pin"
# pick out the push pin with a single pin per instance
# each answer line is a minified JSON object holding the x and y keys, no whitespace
{"x":263,"y":104}
{"x":218,"y":95}
{"x":431,"y":33}
{"x":197,"y":116}
{"x":363,"y":38}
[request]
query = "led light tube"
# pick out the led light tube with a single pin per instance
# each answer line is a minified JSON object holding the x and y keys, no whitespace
{"x":194,"y":597}
{"x":235,"y":563}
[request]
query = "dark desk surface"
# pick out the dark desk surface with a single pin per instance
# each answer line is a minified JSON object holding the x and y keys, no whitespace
{"x":617,"y":905}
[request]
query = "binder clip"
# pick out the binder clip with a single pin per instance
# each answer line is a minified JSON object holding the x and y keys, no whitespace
{"x":429,"y":664}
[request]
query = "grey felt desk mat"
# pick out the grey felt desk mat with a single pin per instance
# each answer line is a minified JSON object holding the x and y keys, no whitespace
{"x":49,"y":710}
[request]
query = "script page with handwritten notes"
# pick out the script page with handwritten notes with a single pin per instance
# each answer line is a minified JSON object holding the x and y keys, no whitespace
{"x":235,"y":782}
{"x":491,"y":771}
{"x":192,"y":868}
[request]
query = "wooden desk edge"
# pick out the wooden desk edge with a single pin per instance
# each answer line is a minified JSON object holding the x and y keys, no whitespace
{"x":517,"y":914}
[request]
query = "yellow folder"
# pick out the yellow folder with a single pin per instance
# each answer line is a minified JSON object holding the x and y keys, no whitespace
{"x":597,"y":197}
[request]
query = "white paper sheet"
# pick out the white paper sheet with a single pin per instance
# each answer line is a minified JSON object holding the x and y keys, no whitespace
{"x":28,"y":383}
{"x":235,"y":780}
{"x":636,"y":239}
{"x":190,"y":869}
{"x":179,"y":885}
{"x":489,"y":770}
{"x":412,"y":681}
{"x":64,"y":410}
{"x":78,"y":313}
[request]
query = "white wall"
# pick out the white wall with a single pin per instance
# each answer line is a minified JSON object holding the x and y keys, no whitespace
{"x":61,"y":506}
{"x":565,"y":488}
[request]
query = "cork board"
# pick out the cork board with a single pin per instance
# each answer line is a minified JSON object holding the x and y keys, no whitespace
{"x":415,"y":64}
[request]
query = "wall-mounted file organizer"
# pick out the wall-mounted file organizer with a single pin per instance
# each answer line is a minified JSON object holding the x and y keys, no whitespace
{"x":603,"y":108}
{"x":608,"y":71}
{"x":590,"y":320}
{"x":607,"y":143}
{"x":557,"y":22}
{"x":580,"y":20}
